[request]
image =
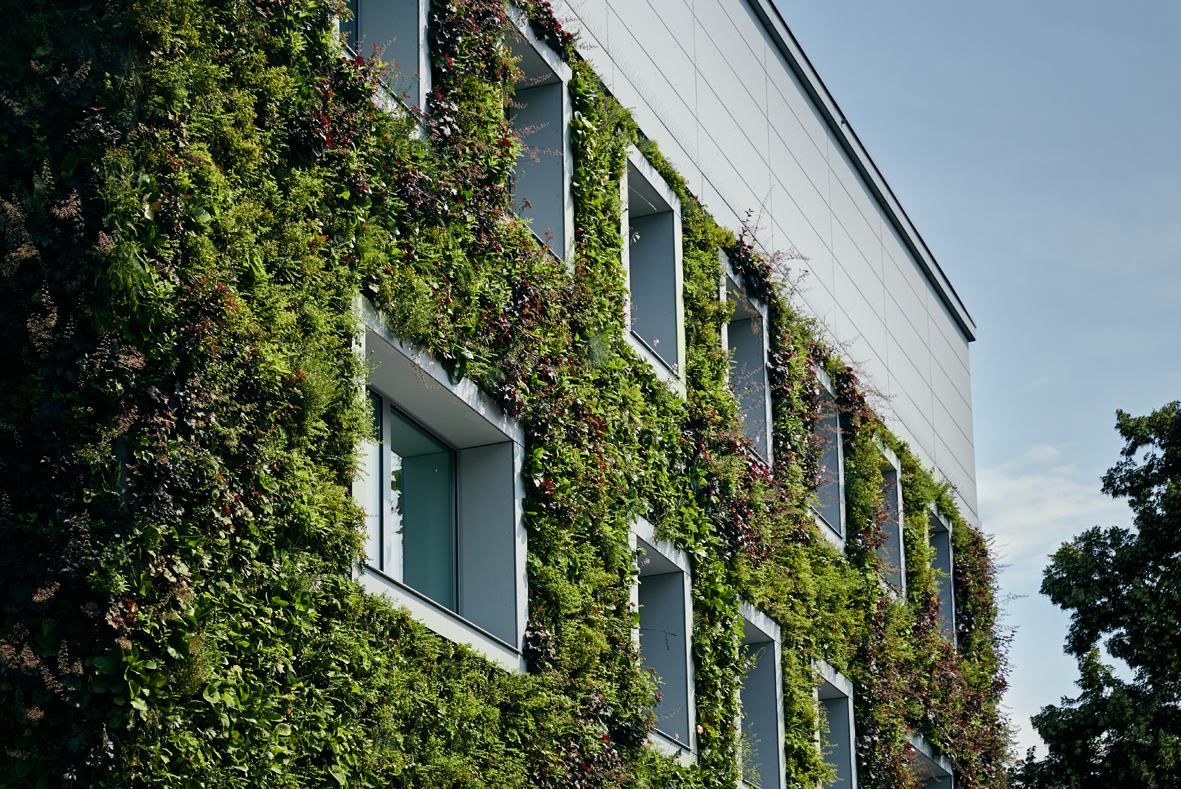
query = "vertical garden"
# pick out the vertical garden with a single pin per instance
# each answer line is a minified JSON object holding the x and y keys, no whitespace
{"x":194,"y":196}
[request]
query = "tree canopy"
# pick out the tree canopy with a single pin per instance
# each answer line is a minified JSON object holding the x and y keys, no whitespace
{"x":1123,"y":589}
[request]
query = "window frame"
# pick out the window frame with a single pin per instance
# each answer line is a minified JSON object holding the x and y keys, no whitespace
{"x":758,"y":628}
{"x":837,"y":691}
{"x":642,"y":536}
{"x":421,"y":389}
{"x":732,"y":290}
{"x":671,"y":373}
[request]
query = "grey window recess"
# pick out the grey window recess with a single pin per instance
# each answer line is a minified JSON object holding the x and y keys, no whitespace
{"x":745,"y":339}
{"x":942,"y":560}
{"x":540,"y":113}
{"x":835,"y":698}
{"x":397,"y":29}
{"x":893,"y":550}
{"x":830,"y":495}
{"x":934,"y":769}
{"x":655,"y":310}
{"x":441,"y":487}
{"x":665,"y":631}
{"x":761,"y":697}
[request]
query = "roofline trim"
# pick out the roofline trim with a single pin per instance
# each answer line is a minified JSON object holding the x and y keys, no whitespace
{"x":775,"y":25}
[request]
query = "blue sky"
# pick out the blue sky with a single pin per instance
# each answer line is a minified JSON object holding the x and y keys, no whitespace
{"x":1037,"y":147}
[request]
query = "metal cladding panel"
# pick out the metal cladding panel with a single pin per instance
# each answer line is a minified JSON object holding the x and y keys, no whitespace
{"x":863,"y":319}
{"x":811,"y":159}
{"x":847,"y":183}
{"x":906,"y":310}
{"x":858,"y":275}
{"x":949,"y":393}
{"x":808,"y":195}
{"x":950,"y":354}
{"x":783,"y":80}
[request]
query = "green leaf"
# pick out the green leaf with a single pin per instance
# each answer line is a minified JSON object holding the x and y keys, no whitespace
{"x":337,"y":772}
{"x":283,"y":730}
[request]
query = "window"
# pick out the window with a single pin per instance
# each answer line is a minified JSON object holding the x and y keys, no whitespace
{"x":893,"y":550}
{"x":540,"y":113}
{"x":652,"y":266}
{"x":441,"y":488}
{"x":761,"y":695}
{"x":835,"y":696}
{"x":666,"y":623}
{"x":830,"y":495}
{"x":397,"y":28}
{"x":939,"y":533}
{"x":745,"y":338}
{"x":934,"y":769}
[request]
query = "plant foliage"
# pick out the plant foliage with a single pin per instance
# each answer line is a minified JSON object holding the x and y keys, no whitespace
{"x":1121,"y":587}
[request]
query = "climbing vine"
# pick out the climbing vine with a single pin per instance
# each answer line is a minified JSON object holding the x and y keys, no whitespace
{"x":193,"y":196}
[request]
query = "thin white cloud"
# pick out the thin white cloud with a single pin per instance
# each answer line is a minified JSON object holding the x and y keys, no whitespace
{"x":1036,"y":502}
{"x":1033,"y":503}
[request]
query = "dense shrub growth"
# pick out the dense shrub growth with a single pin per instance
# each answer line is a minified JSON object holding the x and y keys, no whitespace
{"x":194,"y":194}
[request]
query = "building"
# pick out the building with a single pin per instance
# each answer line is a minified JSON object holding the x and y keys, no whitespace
{"x":489,"y":311}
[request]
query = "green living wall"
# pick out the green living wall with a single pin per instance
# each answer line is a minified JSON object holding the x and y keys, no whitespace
{"x":193,"y":194}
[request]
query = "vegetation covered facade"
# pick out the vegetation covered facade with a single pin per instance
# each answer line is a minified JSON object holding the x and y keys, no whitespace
{"x":211,"y":214}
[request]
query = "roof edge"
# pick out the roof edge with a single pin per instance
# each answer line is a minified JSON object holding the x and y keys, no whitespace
{"x":779,"y":31}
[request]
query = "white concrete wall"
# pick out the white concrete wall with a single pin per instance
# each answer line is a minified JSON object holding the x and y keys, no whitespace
{"x":709,"y":82}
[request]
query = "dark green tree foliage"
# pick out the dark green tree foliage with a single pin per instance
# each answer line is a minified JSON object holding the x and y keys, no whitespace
{"x":1123,"y":589}
{"x":193,"y":196}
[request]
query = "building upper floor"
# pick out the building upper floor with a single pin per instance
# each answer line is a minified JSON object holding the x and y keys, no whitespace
{"x":738,"y":108}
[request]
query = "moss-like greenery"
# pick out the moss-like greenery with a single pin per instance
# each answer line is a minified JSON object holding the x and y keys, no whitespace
{"x":193,"y":196}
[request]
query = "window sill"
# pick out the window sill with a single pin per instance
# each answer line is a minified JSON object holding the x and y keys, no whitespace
{"x":671,"y":748}
{"x":663,"y":370}
{"x":442,"y":621}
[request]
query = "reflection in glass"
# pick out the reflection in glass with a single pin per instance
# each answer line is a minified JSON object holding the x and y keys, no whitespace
{"x":422,"y":482}
{"x":348,"y":26}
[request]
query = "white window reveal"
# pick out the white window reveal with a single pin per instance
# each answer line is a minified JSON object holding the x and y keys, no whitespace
{"x":835,"y":697}
{"x":666,"y":624}
{"x":942,"y":561}
{"x":934,"y":769}
{"x":442,"y":491}
{"x":830,"y":495}
{"x":540,"y":114}
{"x":398,"y":30}
{"x":745,"y":339}
{"x":653,"y":270}
{"x":893,"y":550}
{"x":761,"y":747}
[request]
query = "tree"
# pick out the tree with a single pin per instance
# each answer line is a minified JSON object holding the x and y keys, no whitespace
{"x":1123,"y":588}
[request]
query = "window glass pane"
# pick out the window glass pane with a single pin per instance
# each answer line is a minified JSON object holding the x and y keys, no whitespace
{"x":829,"y":494}
{"x":422,"y":480}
